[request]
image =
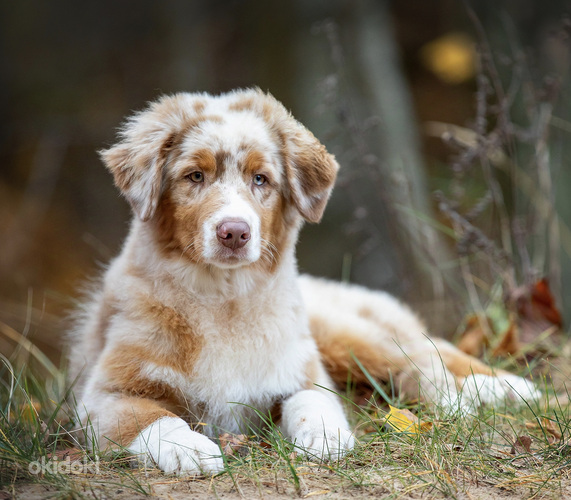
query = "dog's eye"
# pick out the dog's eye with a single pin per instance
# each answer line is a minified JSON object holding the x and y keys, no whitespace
{"x":196,"y":177}
{"x":259,"y":179}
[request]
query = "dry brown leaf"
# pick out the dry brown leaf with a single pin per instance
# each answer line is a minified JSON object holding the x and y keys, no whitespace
{"x":475,"y":336}
{"x":544,"y":304}
{"x":232,"y":444}
{"x":509,"y":344}
{"x":536,"y":310}
{"x":522,"y":444}
{"x":551,"y":427}
{"x":547,"y":425}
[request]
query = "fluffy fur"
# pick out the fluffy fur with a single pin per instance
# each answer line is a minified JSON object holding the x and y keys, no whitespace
{"x":198,"y":323}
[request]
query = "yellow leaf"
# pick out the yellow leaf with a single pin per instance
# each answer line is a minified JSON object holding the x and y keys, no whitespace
{"x":406,"y":421}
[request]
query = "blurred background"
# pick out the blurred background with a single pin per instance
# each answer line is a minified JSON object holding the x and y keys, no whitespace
{"x":451,"y":121}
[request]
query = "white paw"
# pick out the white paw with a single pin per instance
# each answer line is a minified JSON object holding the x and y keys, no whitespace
{"x":479,"y":389}
{"x":173,"y":447}
{"x":324,"y":443}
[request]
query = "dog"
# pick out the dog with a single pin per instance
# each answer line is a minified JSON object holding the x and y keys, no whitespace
{"x":202,"y":324}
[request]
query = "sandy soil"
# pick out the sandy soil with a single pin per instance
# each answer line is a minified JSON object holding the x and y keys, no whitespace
{"x":313,"y":485}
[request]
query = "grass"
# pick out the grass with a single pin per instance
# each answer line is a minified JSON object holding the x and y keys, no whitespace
{"x":458,"y":456}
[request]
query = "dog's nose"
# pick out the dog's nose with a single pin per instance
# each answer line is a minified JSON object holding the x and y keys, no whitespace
{"x":233,"y":234}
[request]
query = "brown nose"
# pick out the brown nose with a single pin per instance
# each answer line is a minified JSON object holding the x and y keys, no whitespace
{"x":233,"y":234}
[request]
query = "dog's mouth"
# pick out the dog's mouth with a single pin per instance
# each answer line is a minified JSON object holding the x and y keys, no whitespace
{"x":228,"y":257}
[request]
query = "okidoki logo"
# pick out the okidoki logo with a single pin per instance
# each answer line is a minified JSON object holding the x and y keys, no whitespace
{"x":64,"y":466}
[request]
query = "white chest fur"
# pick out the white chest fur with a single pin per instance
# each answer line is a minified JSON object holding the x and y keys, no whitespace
{"x":254,"y":352}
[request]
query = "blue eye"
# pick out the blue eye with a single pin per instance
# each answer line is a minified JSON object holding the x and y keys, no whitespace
{"x":259,"y":180}
{"x":196,"y":177}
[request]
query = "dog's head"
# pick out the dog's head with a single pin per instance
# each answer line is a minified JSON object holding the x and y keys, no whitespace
{"x":223,"y":180}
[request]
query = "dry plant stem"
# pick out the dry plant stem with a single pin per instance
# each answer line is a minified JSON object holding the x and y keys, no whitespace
{"x":488,"y":66}
{"x":468,"y":233}
{"x":504,"y":221}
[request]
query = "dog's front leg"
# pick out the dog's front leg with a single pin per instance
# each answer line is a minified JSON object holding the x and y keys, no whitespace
{"x":315,"y":422}
{"x":154,"y":435}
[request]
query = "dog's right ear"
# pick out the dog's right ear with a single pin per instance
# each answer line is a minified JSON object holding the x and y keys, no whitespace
{"x":137,"y":161}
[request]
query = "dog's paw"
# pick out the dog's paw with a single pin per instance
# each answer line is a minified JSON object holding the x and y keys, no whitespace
{"x":173,"y":447}
{"x":324,"y":443}
{"x":479,"y":389}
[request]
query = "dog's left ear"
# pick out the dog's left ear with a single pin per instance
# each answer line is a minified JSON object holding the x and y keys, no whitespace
{"x":310,"y":171}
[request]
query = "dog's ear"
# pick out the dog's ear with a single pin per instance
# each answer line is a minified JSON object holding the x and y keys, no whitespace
{"x":310,"y":171}
{"x":137,"y":161}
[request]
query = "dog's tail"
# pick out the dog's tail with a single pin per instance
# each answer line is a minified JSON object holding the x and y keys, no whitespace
{"x":389,"y":341}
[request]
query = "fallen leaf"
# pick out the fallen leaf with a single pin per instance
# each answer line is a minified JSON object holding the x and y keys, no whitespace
{"x":544,"y":303}
{"x":536,"y":310}
{"x":406,"y":421}
{"x":551,"y":427}
{"x":232,"y":444}
{"x":509,"y":344}
{"x":521,"y":445}
{"x":475,"y":336}
{"x":547,"y":425}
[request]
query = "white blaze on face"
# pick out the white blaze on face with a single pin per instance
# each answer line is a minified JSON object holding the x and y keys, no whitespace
{"x":236,"y":208}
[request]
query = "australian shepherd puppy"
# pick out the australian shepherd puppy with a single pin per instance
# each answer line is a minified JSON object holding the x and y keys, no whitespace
{"x":203,"y":319}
